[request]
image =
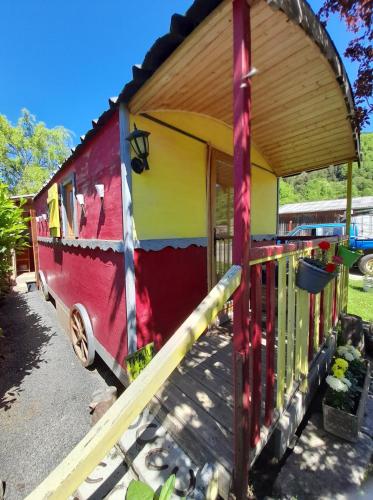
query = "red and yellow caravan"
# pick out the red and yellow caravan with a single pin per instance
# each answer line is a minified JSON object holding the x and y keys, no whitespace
{"x":132,"y":240}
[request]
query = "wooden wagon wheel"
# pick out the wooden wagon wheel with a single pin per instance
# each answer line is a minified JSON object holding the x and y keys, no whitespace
{"x":82,"y":335}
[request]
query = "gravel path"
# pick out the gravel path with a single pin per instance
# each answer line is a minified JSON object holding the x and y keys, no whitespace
{"x":44,"y":393}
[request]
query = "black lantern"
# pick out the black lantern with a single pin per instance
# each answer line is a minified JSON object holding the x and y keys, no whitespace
{"x":140,"y":144}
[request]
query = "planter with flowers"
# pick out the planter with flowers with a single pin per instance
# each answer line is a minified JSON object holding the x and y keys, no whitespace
{"x":345,"y":397}
{"x":314,"y":274}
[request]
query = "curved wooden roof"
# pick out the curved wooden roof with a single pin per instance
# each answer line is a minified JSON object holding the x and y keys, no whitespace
{"x":302,"y":101}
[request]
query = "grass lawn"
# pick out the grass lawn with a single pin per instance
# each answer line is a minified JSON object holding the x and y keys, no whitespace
{"x":360,"y":302}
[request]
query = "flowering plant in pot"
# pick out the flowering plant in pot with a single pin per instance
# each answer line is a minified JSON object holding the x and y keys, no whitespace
{"x":347,"y":388}
{"x":314,"y":274}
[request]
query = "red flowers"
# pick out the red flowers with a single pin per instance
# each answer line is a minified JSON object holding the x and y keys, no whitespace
{"x":324,"y":245}
{"x":330,"y":267}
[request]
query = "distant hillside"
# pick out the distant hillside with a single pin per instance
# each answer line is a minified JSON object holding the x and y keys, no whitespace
{"x":330,"y":183}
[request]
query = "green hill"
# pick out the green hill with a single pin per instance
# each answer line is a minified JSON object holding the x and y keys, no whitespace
{"x":330,"y":183}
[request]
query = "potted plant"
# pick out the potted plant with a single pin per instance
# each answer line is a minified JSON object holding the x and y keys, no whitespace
{"x":348,"y":256}
{"x":314,"y":274}
{"x":345,"y":397}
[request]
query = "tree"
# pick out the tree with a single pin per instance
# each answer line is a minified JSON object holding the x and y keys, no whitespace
{"x":13,"y":235}
{"x":330,"y":183}
{"x":29,"y":152}
{"x":287,"y":193}
{"x":357,"y":15}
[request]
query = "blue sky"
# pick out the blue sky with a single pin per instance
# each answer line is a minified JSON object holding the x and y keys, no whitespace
{"x":63,"y":60}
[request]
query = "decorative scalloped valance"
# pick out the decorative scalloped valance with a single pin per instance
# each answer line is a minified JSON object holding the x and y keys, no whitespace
{"x":115,"y":245}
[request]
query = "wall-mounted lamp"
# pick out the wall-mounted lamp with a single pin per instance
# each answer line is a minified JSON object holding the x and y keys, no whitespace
{"x":140,"y":144}
{"x":100,"y":189}
{"x":80,"y":200}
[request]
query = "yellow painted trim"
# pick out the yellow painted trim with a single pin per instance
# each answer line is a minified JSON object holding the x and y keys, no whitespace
{"x":281,"y":329}
{"x":316,"y":333}
{"x":290,"y":325}
{"x":70,"y":473}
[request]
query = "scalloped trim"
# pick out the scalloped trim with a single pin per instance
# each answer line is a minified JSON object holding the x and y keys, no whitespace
{"x":114,"y":245}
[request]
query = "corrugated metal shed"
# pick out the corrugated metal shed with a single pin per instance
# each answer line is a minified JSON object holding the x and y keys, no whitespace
{"x":361,"y":203}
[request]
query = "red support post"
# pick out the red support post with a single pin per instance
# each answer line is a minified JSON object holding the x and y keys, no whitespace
{"x":241,"y":241}
{"x":270,"y":341}
{"x":256,"y":345}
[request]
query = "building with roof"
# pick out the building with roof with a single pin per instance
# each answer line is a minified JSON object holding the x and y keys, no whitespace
{"x":318,"y":212}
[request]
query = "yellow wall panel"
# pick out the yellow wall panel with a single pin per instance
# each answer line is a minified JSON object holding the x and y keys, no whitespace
{"x":170,"y":200}
{"x":263,"y":202}
{"x":218,"y":133}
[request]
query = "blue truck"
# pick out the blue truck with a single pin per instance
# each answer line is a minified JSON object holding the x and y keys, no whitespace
{"x":364,"y":245}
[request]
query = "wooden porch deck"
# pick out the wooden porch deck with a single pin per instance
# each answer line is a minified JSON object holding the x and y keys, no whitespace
{"x":196,"y":404}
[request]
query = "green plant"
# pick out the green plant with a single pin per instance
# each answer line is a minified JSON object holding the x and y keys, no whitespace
{"x":346,"y":380}
{"x":137,"y":490}
{"x":13,"y":235}
{"x":137,"y":361}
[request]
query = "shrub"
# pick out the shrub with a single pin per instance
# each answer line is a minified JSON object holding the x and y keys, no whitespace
{"x":13,"y":234}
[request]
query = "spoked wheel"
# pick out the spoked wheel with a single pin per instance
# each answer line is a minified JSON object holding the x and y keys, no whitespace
{"x":82,"y":335}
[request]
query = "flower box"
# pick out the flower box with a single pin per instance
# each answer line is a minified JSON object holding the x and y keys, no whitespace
{"x":348,"y":256}
{"x":311,"y":278}
{"x":343,"y":424}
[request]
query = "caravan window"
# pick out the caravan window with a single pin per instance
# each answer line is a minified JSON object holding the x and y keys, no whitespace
{"x":69,"y":207}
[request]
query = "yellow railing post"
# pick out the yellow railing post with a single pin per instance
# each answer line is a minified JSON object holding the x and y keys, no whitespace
{"x":348,"y":220}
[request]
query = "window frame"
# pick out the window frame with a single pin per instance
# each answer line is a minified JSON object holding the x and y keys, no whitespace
{"x":69,"y":179}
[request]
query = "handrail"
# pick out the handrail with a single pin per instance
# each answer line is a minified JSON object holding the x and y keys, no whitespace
{"x":275,"y":252}
{"x":80,"y":462}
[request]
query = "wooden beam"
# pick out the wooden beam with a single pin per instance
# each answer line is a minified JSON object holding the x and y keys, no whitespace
{"x":349,"y":199}
{"x":70,"y":473}
{"x":241,"y":240}
{"x":35,"y":247}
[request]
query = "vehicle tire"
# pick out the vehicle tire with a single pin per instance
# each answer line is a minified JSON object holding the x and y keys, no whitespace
{"x":81,"y":333}
{"x":43,"y":285}
{"x":366,"y":264}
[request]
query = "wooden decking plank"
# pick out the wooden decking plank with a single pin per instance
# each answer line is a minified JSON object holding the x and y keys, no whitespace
{"x":208,"y":433}
{"x":214,"y":361}
{"x":209,"y":376}
{"x":209,"y":401}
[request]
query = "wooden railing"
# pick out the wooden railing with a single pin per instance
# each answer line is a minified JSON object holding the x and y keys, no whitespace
{"x":223,"y":254}
{"x":295,"y":325}
{"x":67,"y":477}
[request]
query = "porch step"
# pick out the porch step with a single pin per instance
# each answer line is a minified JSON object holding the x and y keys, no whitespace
{"x":147,"y":452}
{"x":153,"y":455}
{"x":109,"y":480}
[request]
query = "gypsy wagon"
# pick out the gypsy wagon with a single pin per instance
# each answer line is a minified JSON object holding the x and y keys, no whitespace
{"x":176,"y":182}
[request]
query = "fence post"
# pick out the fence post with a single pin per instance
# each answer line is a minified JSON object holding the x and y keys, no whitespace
{"x":241,"y":241}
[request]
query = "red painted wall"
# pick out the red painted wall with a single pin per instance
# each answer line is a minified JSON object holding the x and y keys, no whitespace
{"x":97,"y":163}
{"x":95,"y":279}
{"x":170,"y":283}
